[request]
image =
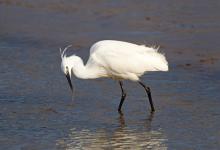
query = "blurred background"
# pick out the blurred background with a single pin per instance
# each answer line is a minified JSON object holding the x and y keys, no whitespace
{"x":36,"y":109}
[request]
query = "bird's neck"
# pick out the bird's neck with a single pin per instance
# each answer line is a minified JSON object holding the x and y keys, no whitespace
{"x":84,"y":72}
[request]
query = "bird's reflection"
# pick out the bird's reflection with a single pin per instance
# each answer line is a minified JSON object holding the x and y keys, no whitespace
{"x":146,"y":122}
{"x":124,"y":135}
{"x":121,"y":119}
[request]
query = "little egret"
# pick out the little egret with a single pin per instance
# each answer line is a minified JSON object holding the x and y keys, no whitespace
{"x":118,"y":60}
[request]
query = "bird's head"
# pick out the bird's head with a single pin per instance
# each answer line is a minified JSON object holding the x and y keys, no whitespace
{"x":66,"y":65}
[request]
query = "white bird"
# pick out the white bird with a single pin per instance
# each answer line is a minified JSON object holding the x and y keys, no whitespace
{"x":117,"y":60}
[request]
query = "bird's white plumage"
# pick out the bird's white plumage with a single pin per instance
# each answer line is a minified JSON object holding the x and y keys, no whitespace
{"x":118,"y":60}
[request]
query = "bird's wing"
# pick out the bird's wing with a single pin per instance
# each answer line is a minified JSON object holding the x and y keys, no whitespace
{"x":122,"y":57}
{"x":120,"y":45}
{"x":120,"y":62}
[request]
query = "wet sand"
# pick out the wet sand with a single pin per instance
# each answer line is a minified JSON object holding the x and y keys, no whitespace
{"x":36,"y":110}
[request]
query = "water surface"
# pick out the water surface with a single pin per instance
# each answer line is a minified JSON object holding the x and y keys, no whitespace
{"x":36,"y":110}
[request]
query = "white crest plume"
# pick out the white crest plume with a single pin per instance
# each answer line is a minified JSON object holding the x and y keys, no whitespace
{"x":62,"y":53}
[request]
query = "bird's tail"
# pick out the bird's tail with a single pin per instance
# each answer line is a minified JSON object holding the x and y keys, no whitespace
{"x":157,"y":61}
{"x":162,"y":64}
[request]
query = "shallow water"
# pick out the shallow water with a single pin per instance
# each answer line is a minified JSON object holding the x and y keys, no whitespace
{"x":36,"y":110}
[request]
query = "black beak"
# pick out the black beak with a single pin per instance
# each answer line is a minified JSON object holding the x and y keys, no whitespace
{"x":69,"y":80}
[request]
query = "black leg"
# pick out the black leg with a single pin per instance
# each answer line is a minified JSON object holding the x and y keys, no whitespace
{"x":147,"y":89}
{"x":123,"y":95}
